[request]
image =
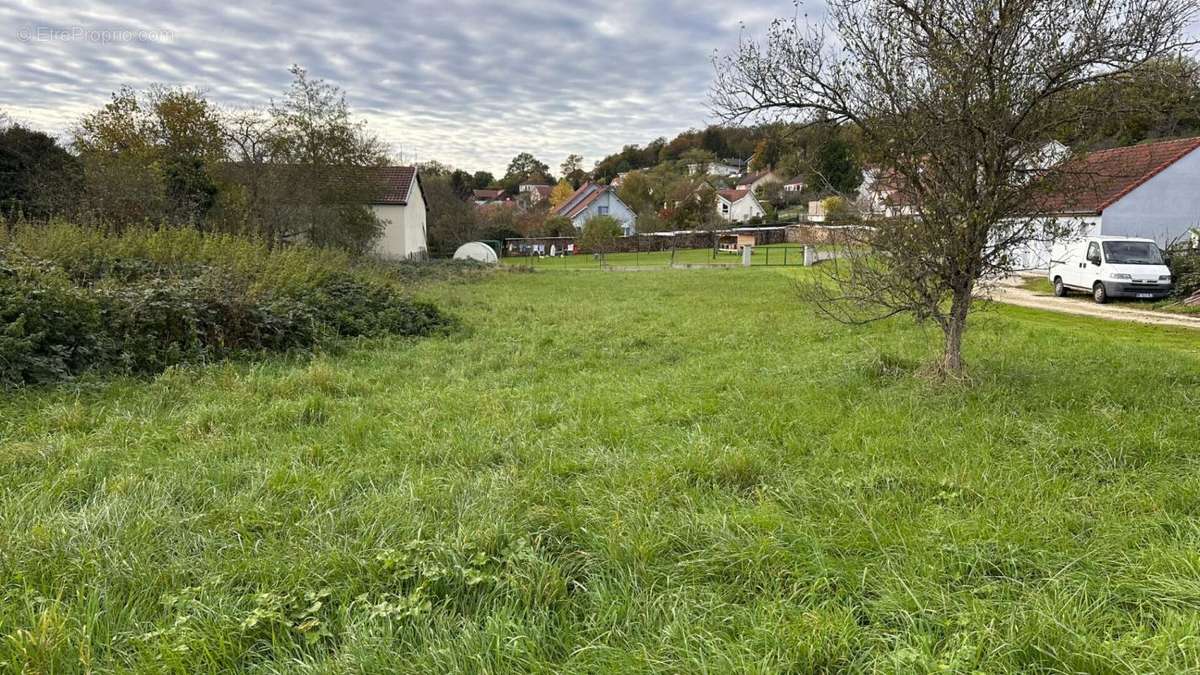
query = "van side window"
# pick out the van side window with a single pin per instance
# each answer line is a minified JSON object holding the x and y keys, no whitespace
{"x":1093,"y":254}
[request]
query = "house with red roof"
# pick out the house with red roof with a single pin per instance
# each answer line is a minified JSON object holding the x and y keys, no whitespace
{"x":490,"y":196}
{"x":534,"y":192}
{"x":400,"y":206}
{"x":1150,"y":190}
{"x":753,"y":181}
{"x":738,"y":206}
{"x":594,"y":199}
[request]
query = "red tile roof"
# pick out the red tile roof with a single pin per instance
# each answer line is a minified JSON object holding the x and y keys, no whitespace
{"x":487,"y":194}
{"x":733,"y":195}
{"x":396,"y":182}
{"x":1098,"y":180}
{"x":750,"y":178}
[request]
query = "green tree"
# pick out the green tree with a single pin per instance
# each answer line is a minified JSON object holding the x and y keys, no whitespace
{"x":599,"y":234}
{"x":482,"y":180}
{"x":1161,"y":99}
{"x":150,"y":157}
{"x":650,"y":221}
{"x":305,"y":168}
{"x":637,"y":191}
{"x":699,"y":156}
{"x":559,"y":226}
{"x":835,"y":168}
{"x":38,"y":177}
{"x":525,"y":168}
{"x":451,"y":220}
{"x":713,"y":140}
{"x":573,"y":171}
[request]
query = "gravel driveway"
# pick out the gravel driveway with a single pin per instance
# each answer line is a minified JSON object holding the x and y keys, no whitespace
{"x":1009,"y":291}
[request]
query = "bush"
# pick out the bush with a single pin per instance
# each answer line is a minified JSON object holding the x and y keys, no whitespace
{"x":1185,"y":271}
{"x":74,"y":300}
{"x":48,"y":330}
{"x":351,"y":307}
{"x":599,"y":234}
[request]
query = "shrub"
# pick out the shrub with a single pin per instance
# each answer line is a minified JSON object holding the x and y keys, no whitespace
{"x":74,"y":300}
{"x":158,"y":323}
{"x":351,"y":307}
{"x":48,"y":330}
{"x":599,"y":233}
{"x":1185,"y":271}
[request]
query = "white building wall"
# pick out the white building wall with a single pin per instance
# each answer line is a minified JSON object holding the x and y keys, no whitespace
{"x":1034,"y":256}
{"x":1164,"y":208}
{"x":615,"y":207}
{"x":740,"y":211}
{"x":404,"y":233}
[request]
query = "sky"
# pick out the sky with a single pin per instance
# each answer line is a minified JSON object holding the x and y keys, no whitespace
{"x":466,"y":82}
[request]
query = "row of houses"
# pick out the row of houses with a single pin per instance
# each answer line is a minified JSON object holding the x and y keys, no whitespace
{"x":1150,"y":190}
{"x":530,"y":193}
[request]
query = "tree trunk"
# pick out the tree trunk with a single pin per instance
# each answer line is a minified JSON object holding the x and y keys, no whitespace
{"x":954,"y":328}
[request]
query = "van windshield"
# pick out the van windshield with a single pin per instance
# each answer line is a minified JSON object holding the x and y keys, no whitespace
{"x":1132,"y":253}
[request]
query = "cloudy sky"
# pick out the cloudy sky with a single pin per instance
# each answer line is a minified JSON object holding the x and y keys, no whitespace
{"x":467,"y":82}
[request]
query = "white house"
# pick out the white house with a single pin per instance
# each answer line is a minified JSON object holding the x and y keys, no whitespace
{"x":794,"y":185}
{"x":534,"y":192}
{"x":593,"y":199}
{"x":1150,"y":190}
{"x":738,"y":206}
{"x":402,"y":209}
{"x":725,"y":168}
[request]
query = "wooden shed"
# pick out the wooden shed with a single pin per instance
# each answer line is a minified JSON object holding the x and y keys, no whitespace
{"x":732,"y":243}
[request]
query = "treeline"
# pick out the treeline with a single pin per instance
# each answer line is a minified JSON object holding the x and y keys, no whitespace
{"x":1147,"y":104}
{"x":296,"y":169}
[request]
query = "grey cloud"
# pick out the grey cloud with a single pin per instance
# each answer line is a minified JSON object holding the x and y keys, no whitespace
{"x":462,"y":81}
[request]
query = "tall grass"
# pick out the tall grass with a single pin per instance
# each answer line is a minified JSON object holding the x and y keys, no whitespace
{"x":285,"y":268}
{"x":653,"y":472}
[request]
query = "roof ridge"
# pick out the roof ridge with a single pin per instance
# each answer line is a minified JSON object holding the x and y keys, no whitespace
{"x":1187,"y":145}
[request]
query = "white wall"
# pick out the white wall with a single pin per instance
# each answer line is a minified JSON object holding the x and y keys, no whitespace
{"x":740,"y":211}
{"x":1163,"y":208}
{"x":403,"y":227}
{"x":1035,"y":255}
{"x":616,"y":208}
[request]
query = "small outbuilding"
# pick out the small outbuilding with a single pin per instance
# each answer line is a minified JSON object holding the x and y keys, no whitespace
{"x":732,"y":243}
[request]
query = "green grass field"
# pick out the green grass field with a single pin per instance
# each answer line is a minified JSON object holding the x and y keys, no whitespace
{"x":666,"y":471}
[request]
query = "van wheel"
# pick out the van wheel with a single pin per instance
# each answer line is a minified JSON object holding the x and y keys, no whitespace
{"x":1060,"y":289}
{"x":1100,"y":293}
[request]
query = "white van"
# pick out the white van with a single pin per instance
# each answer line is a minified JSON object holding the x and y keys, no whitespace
{"x":1110,"y":267}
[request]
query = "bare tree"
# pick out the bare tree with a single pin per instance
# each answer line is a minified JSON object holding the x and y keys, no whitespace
{"x":304,"y":167}
{"x":954,"y":101}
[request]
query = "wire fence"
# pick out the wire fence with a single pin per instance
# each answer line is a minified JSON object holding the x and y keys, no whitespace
{"x":773,"y":255}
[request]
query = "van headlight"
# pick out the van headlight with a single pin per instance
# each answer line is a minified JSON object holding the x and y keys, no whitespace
{"x":1166,"y":278}
{"x":1121,"y":275}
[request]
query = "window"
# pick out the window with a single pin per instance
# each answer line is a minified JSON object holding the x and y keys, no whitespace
{"x":602,"y":210}
{"x":1093,"y":254}
{"x":1132,"y":253}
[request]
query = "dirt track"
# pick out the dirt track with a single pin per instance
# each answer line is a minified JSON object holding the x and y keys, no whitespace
{"x":1010,"y":292}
